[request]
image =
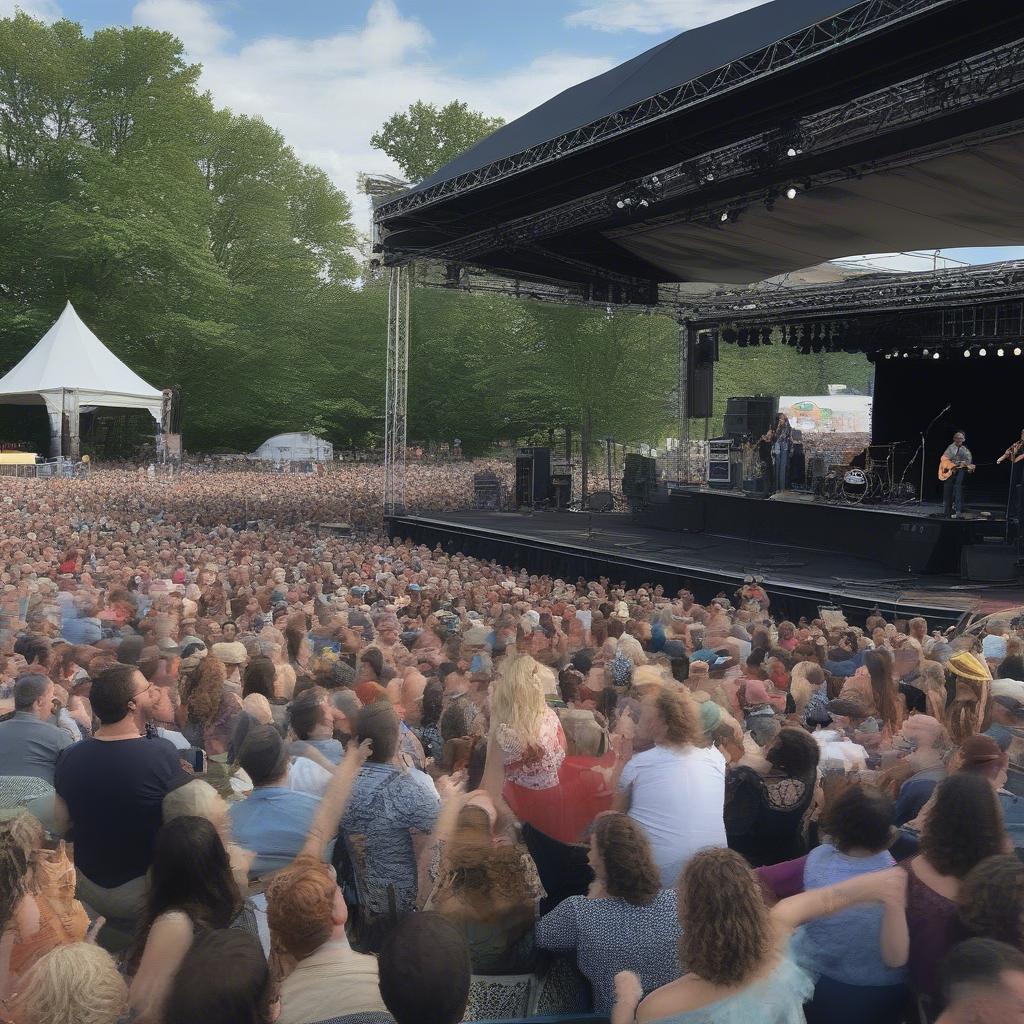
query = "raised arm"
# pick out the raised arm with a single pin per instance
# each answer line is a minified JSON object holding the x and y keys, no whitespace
{"x":332,"y":805}
{"x":886,"y":887}
{"x":494,"y":767}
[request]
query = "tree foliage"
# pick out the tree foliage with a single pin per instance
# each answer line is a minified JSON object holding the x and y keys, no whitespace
{"x":194,"y":242}
{"x":209,"y":257}
{"x":426,"y":137}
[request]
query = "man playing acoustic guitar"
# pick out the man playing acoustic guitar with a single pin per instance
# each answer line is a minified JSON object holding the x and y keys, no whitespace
{"x":955,"y":464}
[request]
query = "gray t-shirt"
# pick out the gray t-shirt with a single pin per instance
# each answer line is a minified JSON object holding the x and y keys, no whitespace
{"x":31,"y":747}
{"x":961,"y":456}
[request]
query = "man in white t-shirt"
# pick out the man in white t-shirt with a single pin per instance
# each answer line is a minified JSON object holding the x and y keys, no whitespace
{"x":675,"y":790}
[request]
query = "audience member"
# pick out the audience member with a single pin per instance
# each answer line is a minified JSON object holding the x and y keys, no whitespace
{"x":30,"y":742}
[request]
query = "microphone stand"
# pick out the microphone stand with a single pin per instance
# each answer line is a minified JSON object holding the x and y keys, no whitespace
{"x":924,"y":435}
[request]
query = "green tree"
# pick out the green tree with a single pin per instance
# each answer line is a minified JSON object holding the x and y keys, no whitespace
{"x":425,"y":137}
{"x":193,"y":241}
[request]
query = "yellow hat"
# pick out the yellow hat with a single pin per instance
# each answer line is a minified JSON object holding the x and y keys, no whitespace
{"x":967,"y":666}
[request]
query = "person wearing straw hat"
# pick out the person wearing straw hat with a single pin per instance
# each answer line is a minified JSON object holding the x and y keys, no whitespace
{"x":970,"y":713}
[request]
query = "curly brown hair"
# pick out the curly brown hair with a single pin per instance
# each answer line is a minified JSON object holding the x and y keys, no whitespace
{"x":727,"y":932}
{"x":630,"y":871}
{"x":678,"y":711}
{"x":992,"y":899}
{"x":485,"y":877}
{"x":964,"y":825}
{"x":203,"y":693}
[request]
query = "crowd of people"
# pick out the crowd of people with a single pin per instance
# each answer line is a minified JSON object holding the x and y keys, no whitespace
{"x":249,"y":773}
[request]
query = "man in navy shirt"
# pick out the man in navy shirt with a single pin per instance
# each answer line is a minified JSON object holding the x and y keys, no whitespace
{"x":110,"y":791}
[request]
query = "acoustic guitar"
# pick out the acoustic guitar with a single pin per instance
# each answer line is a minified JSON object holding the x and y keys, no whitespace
{"x":947,"y":467}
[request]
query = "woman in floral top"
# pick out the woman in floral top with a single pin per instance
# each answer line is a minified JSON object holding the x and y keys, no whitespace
{"x":526,"y":738}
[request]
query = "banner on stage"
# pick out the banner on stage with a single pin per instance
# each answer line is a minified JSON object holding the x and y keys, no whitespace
{"x":828,"y":414}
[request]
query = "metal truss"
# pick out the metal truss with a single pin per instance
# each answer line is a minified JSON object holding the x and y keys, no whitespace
{"x":961,"y":85}
{"x":875,"y":294}
{"x":396,"y":390}
{"x":859,"y":20}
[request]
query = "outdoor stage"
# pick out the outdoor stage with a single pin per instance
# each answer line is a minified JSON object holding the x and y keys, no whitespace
{"x":901,"y":561}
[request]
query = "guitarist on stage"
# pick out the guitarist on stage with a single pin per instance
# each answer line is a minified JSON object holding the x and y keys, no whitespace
{"x":955,"y":464}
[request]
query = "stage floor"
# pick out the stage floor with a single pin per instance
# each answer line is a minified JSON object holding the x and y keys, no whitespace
{"x":626,"y":546}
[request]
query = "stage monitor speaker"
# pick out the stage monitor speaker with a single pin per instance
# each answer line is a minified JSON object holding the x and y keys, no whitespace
{"x":561,"y":489}
{"x":988,"y":563}
{"x":701,"y":356}
{"x":533,"y":476}
{"x":639,"y":477}
{"x":749,"y":416}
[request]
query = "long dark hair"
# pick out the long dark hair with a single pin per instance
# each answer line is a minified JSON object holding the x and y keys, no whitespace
{"x":191,"y":872}
{"x":964,"y":825}
{"x":879,"y":667}
{"x":258,"y":677}
{"x":224,"y":979}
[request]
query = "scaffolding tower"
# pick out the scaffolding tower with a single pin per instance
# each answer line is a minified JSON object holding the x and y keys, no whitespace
{"x":396,"y":390}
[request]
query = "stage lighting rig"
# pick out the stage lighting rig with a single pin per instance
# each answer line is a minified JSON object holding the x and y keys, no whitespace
{"x":641,"y":195}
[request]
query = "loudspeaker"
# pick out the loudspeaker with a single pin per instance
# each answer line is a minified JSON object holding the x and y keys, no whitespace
{"x":639,"y":477}
{"x":749,"y":416}
{"x":701,"y":356}
{"x":486,"y":491}
{"x":533,"y":475}
{"x":988,"y":563}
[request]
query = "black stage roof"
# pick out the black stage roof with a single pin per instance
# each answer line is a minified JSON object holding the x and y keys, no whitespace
{"x":899,"y":124}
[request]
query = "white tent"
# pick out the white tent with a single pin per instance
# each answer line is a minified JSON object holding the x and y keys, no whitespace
{"x":70,"y":367}
{"x":295,"y":447}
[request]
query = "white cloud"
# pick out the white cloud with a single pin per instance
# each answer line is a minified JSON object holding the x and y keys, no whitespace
{"x":190,"y":20}
{"x":327,"y":96}
{"x":654,"y":16}
{"x":45,"y":10}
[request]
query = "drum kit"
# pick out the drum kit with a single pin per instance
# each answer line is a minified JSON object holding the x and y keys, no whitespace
{"x":875,"y":482}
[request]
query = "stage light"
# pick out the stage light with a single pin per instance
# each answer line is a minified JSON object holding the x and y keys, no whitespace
{"x":791,"y":192}
{"x":793,"y":151}
{"x":967,"y":353}
{"x":1016,"y":351}
{"x":621,"y":204}
{"x":725,"y":216}
{"x":905,"y":354}
{"x":935,"y":356}
{"x":888,"y":355}
{"x":924,"y":352}
{"x":1000,"y":352}
{"x":982,"y":352}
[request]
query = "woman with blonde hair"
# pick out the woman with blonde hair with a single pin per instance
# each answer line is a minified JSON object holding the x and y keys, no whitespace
{"x":526,"y":766}
{"x":75,"y":984}
{"x":526,"y":738}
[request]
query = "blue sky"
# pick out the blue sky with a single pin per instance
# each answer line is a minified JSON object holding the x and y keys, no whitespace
{"x":327,"y":74}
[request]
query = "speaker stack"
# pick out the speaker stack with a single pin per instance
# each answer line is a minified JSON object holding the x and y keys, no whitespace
{"x":748,"y":417}
{"x":533,"y":476}
{"x":639,"y":479}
